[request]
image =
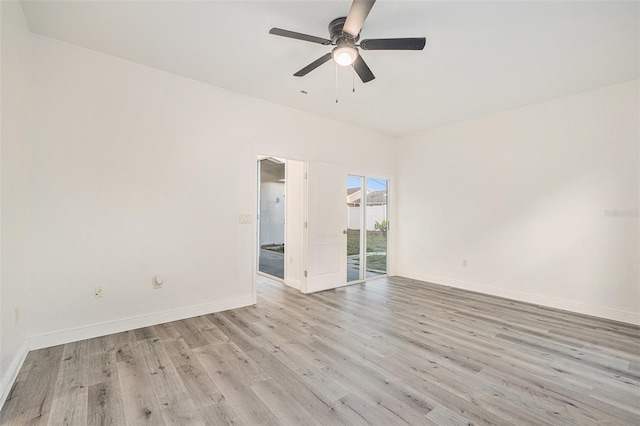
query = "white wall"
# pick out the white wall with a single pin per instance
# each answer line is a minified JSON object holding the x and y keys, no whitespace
{"x":138,"y":172}
{"x":14,"y":189}
{"x":523,"y":196}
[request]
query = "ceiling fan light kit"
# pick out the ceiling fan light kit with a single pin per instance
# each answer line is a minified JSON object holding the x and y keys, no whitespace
{"x":344,"y":54}
{"x":344,"y":33}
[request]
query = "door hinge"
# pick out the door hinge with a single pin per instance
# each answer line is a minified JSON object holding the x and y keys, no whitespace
{"x":306,"y":224}
{"x":306,"y":175}
{"x":305,"y":274}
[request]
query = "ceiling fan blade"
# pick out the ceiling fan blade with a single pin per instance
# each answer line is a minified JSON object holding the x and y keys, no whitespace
{"x":416,"y":43}
{"x":357,"y":14}
{"x":299,"y":36}
{"x":313,"y":65}
{"x":362,"y":69}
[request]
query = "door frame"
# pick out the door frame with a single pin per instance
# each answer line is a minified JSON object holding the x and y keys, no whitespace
{"x":255,"y":187}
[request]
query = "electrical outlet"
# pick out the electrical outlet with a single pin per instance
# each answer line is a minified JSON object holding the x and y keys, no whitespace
{"x":16,"y":317}
{"x":464,"y":262}
{"x":158,"y":282}
{"x":99,"y":293}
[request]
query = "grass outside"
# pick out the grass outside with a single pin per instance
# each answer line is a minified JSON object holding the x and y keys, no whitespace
{"x":377,"y":262}
{"x":375,"y":242}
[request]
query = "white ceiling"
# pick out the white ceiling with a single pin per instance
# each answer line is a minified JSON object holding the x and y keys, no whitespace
{"x":481,"y":57}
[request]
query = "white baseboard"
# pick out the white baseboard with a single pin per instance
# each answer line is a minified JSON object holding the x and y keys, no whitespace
{"x":566,"y":305}
{"x":9,"y":377}
{"x":117,"y":326}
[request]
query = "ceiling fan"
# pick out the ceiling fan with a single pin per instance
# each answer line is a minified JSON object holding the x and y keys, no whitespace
{"x":345,"y":33}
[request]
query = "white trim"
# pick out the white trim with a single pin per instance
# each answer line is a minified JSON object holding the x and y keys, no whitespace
{"x":552,"y":302}
{"x":9,"y":378}
{"x":132,"y":323}
{"x":255,"y":238}
{"x":256,"y":228}
{"x":305,"y":229}
{"x":364,"y":224}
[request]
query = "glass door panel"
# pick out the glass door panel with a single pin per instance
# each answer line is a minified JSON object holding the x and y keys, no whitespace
{"x":377,"y":222}
{"x":355,"y":237}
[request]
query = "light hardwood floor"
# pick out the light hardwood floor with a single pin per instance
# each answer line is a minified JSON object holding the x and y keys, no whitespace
{"x":391,"y":351}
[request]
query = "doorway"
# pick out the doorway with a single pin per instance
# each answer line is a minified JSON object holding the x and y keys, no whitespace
{"x":281,"y":223}
{"x":271,"y":216}
{"x":367,"y":227}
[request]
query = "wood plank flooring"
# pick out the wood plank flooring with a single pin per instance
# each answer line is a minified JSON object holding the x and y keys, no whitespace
{"x":391,"y":351}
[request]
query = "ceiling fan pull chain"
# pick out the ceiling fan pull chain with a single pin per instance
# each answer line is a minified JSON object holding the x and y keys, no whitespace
{"x":336,"y":83}
{"x":353,"y":78}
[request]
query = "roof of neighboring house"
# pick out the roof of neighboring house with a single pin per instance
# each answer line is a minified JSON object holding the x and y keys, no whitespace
{"x":373,"y":197}
{"x":377,"y":197}
{"x":353,"y":195}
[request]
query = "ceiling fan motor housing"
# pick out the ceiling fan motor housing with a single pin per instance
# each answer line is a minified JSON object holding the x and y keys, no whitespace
{"x":339,"y":37}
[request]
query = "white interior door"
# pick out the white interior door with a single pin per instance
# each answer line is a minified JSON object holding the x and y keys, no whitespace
{"x":326,"y":218}
{"x":294,"y":225}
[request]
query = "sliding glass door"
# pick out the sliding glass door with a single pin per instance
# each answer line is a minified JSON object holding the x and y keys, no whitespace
{"x":367,"y":225}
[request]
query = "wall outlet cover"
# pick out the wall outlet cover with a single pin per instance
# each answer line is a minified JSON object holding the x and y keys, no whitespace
{"x":158,"y":282}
